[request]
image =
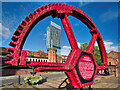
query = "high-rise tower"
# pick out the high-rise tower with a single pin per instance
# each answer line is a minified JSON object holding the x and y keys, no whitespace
{"x":54,"y":37}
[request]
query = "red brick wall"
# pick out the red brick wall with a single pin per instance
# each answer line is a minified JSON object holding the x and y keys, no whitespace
{"x":52,"y":54}
{"x":112,"y":58}
{"x":16,"y":72}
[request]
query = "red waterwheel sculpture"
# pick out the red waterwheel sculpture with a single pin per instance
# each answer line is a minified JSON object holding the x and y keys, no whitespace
{"x":80,"y":66}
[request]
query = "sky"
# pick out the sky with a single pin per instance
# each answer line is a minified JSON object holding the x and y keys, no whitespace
{"x":103,"y":14}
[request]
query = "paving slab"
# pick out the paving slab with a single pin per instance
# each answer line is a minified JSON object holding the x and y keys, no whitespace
{"x":100,"y":82}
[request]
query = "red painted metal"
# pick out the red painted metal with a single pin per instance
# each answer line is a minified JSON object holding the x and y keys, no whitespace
{"x":92,"y":42}
{"x":23,"y":58}
{"x":69,"y":32}
{"x":72,"y":64}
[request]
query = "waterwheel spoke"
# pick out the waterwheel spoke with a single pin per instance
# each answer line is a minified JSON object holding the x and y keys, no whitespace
{"x":69,"y":32}
{"x":92,"y":43}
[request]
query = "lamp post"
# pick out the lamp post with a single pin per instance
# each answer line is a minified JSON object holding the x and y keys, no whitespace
{"x":33,"y":73}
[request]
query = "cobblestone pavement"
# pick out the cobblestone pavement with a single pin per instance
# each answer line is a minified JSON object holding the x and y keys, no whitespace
{"x":109,"y":82}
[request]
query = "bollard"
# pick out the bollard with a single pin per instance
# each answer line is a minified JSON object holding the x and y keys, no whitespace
{"x":89,"y":87}
{"x":33,"y":70}
{"x":81,"y":88}
{"x":19,"y":79}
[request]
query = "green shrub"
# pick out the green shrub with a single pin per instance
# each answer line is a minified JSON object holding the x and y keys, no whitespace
{"x":32,"y":80}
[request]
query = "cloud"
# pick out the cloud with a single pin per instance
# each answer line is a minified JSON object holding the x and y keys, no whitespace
{"x":109,"y":46}
{"x":78,"y":43}
{"x":4,"y":32}
{"x":66,"y":49}
{"x":84,"y":2}
{"x":109,"y":15}
{"x":45,"y":36}
{"x":119,"y":46}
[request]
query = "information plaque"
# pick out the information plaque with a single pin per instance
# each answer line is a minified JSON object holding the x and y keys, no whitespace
{"x":86,"y":68}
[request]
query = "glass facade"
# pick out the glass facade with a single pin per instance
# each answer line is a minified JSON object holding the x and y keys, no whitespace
{"x":54,"y":37}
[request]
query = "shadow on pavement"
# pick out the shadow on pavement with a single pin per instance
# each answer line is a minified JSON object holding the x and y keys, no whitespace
{"x":44,"y":80}
{"x":68,"y":86}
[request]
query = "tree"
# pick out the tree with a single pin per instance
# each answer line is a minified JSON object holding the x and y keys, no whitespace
{"x":4,"y":50}
{"x":44,"y":55}
{"x":95,"y":51}
{"x":40,"y":55}
{"x":84,"y":46}
{"x":31,"y":54}
{"x":97,"y":54}
{"x":40,"y":51}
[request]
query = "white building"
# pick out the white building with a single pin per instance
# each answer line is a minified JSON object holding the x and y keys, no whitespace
{"x":37,"y":59}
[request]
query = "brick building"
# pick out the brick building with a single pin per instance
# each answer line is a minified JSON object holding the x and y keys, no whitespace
{"x":37,"y":56}
{"x":64,"y":58}
{"x":113,"y":62}
{"x":52,"y":54}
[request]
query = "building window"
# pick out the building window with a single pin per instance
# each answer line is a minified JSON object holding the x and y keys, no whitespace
{"x":111,"y":54}
{"x":63,"y":61}
{"x":33,"y":59}
{"x":46,"y":60}
{"x":109,"y":63}
{"x":36,"y":60}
